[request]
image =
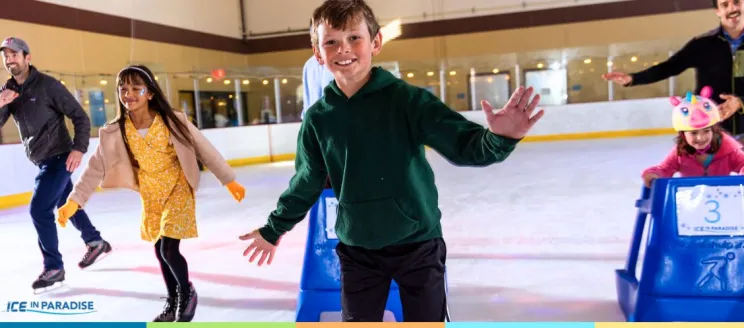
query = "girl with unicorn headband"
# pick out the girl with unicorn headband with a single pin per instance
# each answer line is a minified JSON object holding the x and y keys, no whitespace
{"x":703,"y":148}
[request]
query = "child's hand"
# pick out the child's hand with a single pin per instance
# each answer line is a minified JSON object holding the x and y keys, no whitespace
{"x":65,"y":212}
{"x":649,"y":178}
{"x":237,"y":190}
{"x":515,"y":119}
{"x":259,"y":246}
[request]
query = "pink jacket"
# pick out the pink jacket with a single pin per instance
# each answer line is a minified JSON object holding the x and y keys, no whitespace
{"x":729,"y":158}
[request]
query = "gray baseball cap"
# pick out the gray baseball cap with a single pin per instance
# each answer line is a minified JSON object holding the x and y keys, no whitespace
{"x":15,"y":44}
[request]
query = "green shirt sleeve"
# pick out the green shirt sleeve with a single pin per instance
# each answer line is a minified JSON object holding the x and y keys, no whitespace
{"x":304,"y":189}
{"x":459,"y":140}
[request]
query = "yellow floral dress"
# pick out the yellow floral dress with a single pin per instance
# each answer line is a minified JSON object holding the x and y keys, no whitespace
{"x":168,"y":205}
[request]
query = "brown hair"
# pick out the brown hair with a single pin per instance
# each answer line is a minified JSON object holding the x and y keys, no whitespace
{"x":683,"y":148}
{"x":340,"y":14}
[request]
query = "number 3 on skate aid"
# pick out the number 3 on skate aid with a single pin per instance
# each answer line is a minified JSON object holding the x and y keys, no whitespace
{"x":714,"y":216}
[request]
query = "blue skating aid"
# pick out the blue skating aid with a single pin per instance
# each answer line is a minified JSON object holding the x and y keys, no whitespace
{"x":320,"y":285}
{"x":693,"y":264}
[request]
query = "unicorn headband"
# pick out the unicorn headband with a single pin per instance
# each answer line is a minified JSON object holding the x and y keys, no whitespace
{"x":137,"y":69}
{"x":695,"y":112}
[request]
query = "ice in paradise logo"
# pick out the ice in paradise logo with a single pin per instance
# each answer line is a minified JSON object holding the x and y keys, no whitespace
{"x":51,"y":307}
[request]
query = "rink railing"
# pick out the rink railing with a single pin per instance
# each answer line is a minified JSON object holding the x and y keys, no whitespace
{"x":259,"y":144}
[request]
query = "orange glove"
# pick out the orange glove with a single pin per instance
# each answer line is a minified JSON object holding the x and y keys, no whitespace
{"x":65,"y":212}
{"x":237,"y":190}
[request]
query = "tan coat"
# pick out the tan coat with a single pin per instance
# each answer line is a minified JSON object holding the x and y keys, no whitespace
{"x":110,"y":166}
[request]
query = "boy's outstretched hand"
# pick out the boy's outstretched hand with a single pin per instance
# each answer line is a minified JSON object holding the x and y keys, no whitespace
{"x":259,"y":246}
{"x":515,"y":119}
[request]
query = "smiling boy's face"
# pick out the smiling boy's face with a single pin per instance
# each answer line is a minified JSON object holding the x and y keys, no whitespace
{"x":347,"y":53}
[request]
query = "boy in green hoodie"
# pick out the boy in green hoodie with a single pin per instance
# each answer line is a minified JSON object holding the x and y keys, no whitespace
{"x":368,"y":134}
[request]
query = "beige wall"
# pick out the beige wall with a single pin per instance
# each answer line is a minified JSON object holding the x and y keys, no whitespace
{"x":616,"y":36}
{"x":220,"y":17}
{"x":272,"y":16}
{"x":648,"y":39}
{"x":67,"y":52}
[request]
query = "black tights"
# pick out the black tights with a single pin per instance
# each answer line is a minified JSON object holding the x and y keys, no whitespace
{"x":172,"y":264}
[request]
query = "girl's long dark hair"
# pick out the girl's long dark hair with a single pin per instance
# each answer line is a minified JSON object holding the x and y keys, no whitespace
{"x":683,"y":148}
{"x":158,"y":103}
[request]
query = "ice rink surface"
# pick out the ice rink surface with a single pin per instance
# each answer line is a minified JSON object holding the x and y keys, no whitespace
{"x":536,"y":238}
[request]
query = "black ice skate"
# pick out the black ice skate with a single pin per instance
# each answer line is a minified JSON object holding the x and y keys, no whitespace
{"x":186,"y":304}
{"x":48,"y":278}
{"x":169,"y":311}
{"x":94,"y":253}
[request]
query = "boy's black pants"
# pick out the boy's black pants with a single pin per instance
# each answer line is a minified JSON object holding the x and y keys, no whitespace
{"x":417,"y":268}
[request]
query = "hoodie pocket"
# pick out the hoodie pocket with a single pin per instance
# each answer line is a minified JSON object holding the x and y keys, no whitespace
{"x":373,"y":224}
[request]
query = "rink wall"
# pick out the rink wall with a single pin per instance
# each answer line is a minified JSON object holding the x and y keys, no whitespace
{"x":272,"y":143}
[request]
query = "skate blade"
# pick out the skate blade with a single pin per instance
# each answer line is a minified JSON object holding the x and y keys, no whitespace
{"x":99,"y":259}
{"x":56,"y":286}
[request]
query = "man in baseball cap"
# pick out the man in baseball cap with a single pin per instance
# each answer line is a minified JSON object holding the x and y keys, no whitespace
{"x":35,"y":100}
{"x":20,"y":61}
{"x":16,"y":45}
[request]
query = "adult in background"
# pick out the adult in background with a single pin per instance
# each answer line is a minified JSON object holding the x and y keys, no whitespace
{"x":718,"y":59}
{"x":39,"y":104}
{"x":315,"y":77}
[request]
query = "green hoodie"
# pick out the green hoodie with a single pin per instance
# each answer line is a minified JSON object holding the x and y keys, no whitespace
{"x":372,"y":147}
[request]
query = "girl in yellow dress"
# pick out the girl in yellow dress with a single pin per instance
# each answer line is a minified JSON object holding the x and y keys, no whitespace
{"x":152,"y":149}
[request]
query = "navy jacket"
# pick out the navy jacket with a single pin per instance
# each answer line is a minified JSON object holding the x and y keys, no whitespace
{"x":39,"y":113}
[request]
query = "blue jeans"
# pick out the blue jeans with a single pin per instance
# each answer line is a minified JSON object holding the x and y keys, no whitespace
{"x":53,"y":185}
